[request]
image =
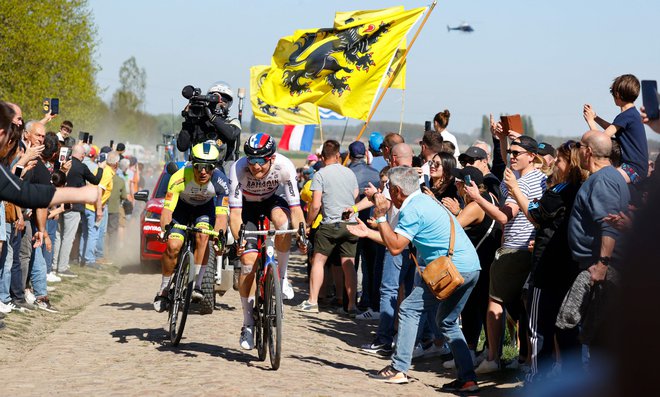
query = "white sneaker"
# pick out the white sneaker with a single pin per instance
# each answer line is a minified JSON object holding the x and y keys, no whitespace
{"x":430,"y":351}
{"x":451,"y":364}
{"x":29,"y":297}
{"x":247,"y":337}
{"x":287,"y":289}
{"x":5,"y":308}
{"x":53,"y":278}
{"x":368,"y":315}
{"x":487,"y":367}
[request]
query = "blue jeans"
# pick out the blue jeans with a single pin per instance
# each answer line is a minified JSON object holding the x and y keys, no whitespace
{"x":421,"y":301}
{"x":395,"y":270}
{"x":38,"y":270}
{"x":88,"y":237}
{"x":447,"y":320}
{"x":17,"y":287}
{"x":6,"y":260}
{"x":51,"y":229}
{"x":103,"y":228}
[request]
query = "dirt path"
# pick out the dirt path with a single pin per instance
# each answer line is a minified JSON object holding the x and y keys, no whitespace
{"x":115,"y":346}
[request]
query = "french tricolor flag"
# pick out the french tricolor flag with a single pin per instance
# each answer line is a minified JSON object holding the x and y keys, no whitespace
{"x":297,"y":137}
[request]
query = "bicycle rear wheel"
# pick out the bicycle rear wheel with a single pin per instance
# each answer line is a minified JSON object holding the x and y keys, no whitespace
{"x":183,"y":286}
{"x":261,"y":333}
{"x":273,"y":305}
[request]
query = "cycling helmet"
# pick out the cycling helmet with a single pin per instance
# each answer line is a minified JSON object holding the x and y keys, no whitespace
{"x":259,"y":145}
{"x":224,"y":90}
{"x":206,"y":152}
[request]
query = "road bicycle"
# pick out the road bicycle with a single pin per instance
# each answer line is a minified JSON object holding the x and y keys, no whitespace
{"x":268,"y":291}
{"x":183,"y":281}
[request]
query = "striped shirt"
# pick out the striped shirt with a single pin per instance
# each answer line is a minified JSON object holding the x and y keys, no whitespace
{"x":519,"y":231}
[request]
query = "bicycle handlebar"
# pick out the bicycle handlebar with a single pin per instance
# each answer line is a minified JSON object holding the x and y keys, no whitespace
{"x":300,"y":232}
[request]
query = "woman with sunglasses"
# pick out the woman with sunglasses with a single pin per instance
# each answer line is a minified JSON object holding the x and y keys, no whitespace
{"x":441,"y":182}
{"x":553,"y":268}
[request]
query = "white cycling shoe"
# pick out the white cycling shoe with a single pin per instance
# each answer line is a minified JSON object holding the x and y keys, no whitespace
{"x":247,"y":337}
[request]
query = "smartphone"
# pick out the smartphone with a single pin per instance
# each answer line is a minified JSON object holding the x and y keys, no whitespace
{"x":428,"y":126}
{"x":45,"y":105}
{"x":112,"y":142}
{"x":91,"y":137}
{"x":54,"y":106}
{"x":65,"y":155}
{"x":85,"y":137}
{"x":650,"y":99}
{"x":81,"y":136}
{"x":427,"y":181}
{"x":468,"y":180}
{"x":18,"y":171}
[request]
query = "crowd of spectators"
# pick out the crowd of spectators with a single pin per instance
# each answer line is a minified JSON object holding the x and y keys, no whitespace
{"x":538,"y":234}
{"x":62,"y":199}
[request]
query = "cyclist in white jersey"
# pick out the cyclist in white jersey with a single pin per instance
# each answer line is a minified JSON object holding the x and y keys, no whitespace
{"x":254,"y":180}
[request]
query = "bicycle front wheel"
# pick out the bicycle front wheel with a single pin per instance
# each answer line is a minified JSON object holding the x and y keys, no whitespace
{"x":261,"y":331}
{"x":273,"y":305}
{"x":183,"y":286}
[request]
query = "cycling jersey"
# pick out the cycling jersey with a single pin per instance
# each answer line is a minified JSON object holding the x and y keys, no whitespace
{"x":244,"y":186}
{"x":183,"y":186}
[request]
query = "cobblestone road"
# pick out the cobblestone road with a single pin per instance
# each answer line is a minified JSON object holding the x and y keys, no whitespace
{"x":116,"y":346}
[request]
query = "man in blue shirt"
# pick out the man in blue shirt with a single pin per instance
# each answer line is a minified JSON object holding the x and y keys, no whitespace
{"x":424,"y":223}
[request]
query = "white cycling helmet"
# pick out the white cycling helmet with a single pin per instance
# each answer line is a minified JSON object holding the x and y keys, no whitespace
{"x":224,"y":90}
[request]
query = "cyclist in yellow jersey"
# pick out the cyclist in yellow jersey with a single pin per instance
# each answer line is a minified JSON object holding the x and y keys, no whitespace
{"x":198,"y":193}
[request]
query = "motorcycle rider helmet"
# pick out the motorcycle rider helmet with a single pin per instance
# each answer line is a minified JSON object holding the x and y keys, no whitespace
{"x":224,"y":90}
{"x":259,"y":145}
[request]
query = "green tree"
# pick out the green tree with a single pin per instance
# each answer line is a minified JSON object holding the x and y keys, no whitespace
{"x":484,"y":134}
{"x":528,"y":126}
{"x":130,"y":96}
{"x":48,"y":51}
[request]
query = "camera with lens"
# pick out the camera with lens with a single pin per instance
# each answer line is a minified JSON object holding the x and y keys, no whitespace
{"x":198,"y":103}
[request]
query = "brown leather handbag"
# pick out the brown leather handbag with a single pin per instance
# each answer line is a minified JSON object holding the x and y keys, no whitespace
{"x":441,"y":274}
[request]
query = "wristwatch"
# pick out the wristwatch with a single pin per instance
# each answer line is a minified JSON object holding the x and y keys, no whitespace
{"x":605,"y":260}
{"x":381,"y":219}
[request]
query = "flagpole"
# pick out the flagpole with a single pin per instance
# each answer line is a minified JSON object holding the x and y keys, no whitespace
{"x":391,"y":79}
{"x":343,"y":134}
{"x":403,"y":105}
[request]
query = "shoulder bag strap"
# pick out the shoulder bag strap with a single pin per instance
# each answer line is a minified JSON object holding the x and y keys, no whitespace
{"x":490,"y":229}
{"x":452,"y":237}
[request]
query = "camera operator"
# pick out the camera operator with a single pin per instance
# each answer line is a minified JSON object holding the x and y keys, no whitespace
{"x":206,"y":117}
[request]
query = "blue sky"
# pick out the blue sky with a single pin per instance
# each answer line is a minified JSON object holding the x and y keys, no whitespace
{"x":543,"y":59}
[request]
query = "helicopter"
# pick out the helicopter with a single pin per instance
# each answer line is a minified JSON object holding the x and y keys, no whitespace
{"x":464,"y":27}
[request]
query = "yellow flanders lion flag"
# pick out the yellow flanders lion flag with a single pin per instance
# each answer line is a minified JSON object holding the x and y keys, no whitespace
{"x":303,"y":114}
{"x":344,"y":17}
{"x":337,"y":68}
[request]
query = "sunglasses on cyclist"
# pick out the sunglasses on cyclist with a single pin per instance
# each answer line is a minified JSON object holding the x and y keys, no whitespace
{"x":258,"y":160}
{"x":208,"y":167}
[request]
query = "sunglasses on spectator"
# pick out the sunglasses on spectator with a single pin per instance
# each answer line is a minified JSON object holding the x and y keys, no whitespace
{"x":434,"y":164}
{"x":570,"y":144}
{"x":581,"y":145}
{"x":515,"y":153}
{"x":208,"y":167}
{"x":258,"y":160}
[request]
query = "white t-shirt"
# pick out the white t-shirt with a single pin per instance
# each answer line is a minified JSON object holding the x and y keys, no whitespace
{"x":448,"y":136}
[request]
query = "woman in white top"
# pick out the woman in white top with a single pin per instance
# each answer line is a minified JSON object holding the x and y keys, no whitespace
{"x":440,"y":122}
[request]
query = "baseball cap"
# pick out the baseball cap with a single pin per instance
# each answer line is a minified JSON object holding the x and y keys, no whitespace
{"x":546,"y":148}
{"x":312,"y":157}
{"x":106,"y":149}
{"x":476,"y":175}
{"x":357,"y":149}
{"x":526,"y":142}
{"x":121,"y":147}
{"x":475,"y":152}
{"x":92,"y":151}
{"x":375,"y":141}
